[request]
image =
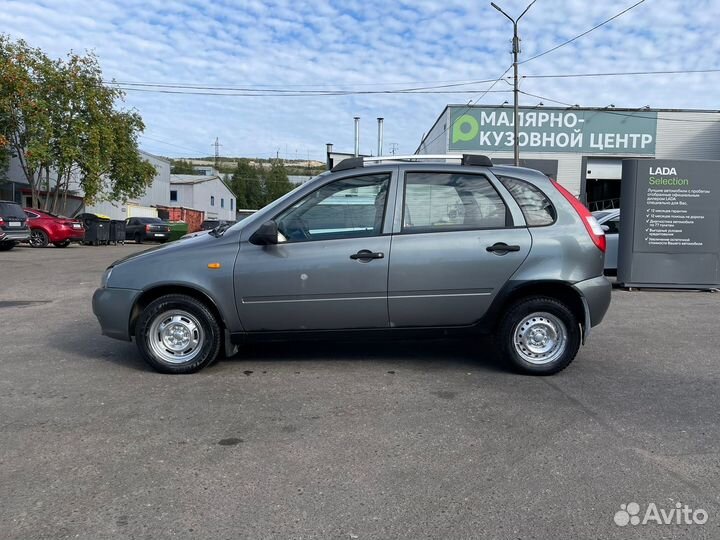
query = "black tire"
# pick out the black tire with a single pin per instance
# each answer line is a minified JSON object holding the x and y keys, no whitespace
{"x":211,"y":331}
{"x":6,"y":246}
{"x":138,"y":238}
{"x":39,"y":238}
{"x":63,"y":244}
{"x":515,"y":350}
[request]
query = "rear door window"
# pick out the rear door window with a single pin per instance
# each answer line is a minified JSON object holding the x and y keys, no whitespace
{"x":451,"y":201}
{"x":535,"y":205}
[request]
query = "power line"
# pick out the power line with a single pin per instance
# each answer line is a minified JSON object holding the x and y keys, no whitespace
{"x":469,"y":105}
{"x":283,"y":90}
{"x":188,"y":92}
{"x":620,"y":74}
{"x":627,"y":114}
{"x":290,"y":85}
{"x":584,"y":33}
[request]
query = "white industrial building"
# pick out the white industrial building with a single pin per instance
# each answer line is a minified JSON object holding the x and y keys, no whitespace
{"x":200,"y":192}
{"x":582,"y":148}
{"x":158,"y":193}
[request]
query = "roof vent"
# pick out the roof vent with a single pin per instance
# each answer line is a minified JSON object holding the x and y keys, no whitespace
{"x":347,"y":164}
{"x":476,"y":160}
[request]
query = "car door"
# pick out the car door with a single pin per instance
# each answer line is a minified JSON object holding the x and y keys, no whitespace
{"x":453,"y":249}
{"x":130,"y":228}
{"x":330,"y":269}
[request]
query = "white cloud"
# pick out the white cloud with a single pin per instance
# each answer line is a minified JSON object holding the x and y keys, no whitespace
{"x":363,"y":44}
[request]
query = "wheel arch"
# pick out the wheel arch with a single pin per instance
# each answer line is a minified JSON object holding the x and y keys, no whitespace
{"x":558,"y":290}
{"x":154,"y":293}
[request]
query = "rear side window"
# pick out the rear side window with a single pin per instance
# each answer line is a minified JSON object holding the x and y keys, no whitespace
{"x":535,"y":205}
{"x":439,"y":201}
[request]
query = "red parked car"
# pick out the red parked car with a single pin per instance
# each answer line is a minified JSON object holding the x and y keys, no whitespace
{"x":46,"y":228}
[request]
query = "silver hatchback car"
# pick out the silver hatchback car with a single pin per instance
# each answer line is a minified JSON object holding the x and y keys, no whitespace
{"x":409,"y":246}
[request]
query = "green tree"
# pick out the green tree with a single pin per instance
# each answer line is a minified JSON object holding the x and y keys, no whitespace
{"x":276,"y":182}
{"x":62,"y":124}
{"x":247,"y":186}
{"x":180,"y":166}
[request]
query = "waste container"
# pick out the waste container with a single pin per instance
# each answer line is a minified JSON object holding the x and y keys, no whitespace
{"x":117,"y":232}
{"x":177,"y":229}
{"x":97,"y":230}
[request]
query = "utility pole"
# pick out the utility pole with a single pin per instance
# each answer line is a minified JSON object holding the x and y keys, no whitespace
{"x":393,"y":148}
{"x":516,"y":89}
{"x":217,"y":146}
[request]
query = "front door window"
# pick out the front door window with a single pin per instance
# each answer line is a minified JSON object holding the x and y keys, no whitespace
{"x":348,"y":208}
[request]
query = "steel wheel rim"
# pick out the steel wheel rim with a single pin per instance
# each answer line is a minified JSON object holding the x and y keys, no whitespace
{"x":176,"y":337}
{"x":540,"y":338}
{"x":37,"y":238}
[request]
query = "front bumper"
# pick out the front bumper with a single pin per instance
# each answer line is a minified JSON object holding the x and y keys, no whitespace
{"x":113,"y":308}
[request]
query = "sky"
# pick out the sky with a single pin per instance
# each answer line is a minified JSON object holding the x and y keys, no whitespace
{"x":365,"y":45}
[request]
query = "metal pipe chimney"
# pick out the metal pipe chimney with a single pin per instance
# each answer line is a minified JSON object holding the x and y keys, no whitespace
{"x":357,"y":136}
{"x":380,"y":136}
{"x":328,"y":158}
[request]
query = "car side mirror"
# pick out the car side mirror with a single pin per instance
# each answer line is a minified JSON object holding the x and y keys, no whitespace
{"x":605,"y":228}
{"x":266,"y":235}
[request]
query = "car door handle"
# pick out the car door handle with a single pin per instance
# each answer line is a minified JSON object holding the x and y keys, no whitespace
{"x":501,"y":248}
{"x":366,"y":255}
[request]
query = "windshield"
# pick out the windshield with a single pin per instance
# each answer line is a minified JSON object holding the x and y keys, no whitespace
{"x":278,"y":202}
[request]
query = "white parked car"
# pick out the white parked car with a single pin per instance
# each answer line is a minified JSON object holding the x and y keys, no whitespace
{"x":609,"y":220}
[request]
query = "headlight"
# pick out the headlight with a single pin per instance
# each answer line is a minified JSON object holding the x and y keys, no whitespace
{"x":105,"y":277}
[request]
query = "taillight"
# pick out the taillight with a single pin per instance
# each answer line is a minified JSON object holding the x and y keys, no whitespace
{"x":591,"y":225}
{"x":147,"y":228}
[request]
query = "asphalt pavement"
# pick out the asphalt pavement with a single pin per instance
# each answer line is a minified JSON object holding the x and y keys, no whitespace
{"x":350,"y":440}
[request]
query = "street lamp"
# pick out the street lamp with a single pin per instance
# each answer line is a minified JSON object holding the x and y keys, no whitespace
{"x":516,"y":51}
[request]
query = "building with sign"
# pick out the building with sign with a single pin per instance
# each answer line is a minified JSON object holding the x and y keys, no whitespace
{"x":581,"y":148}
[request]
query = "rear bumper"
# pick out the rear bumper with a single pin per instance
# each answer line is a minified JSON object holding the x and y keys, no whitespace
{"x":113,"y":307}
{"x":596,"y":293}
{"x":17,"y":236}
{"x":73,"y":235}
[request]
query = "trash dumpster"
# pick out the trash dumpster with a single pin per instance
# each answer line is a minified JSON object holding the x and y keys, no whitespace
{"x":117,"y":232}
{"x":177,"y":229}
{"x":97,"y":229}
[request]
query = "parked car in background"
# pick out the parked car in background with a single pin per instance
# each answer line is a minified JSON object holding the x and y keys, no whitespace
{"x":13,"y":225}
{"x":609,"y":220}
{"x":476,"y":248}
{"x":144,"y":229}
{"x":46,"y":228}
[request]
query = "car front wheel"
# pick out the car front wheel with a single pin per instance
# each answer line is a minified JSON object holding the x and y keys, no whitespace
{"x":540,"y":336}
{"x":178,"y":334}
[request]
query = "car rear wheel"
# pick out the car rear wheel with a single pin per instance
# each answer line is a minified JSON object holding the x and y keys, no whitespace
{"x":540,"y":336}
{"x":39,"y":238}
{"x":178,"y":334}
{"x":6,"y":246}
{"x":63,"y":244}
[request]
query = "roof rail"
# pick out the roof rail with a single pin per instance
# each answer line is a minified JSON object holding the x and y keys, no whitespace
{"x":464,"y":159}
